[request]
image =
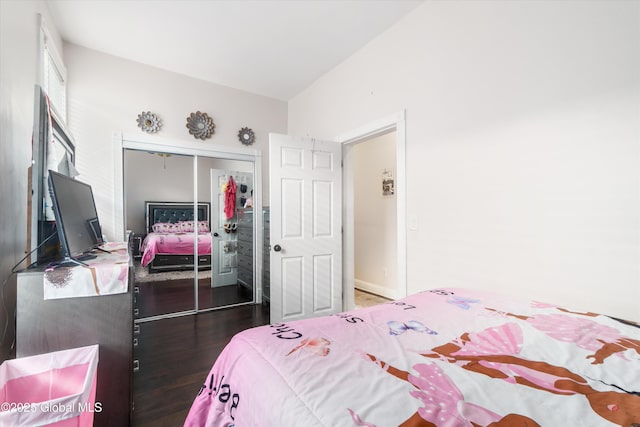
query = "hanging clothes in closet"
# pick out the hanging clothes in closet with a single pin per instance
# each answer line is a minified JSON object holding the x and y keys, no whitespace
{"x":230,"y":198}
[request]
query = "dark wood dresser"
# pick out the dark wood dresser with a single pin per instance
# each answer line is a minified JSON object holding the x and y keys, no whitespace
{"x":50,"y":325}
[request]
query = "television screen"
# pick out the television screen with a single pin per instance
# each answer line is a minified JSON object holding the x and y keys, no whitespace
{"x":52,"y":143}
{"x":76,"y":216}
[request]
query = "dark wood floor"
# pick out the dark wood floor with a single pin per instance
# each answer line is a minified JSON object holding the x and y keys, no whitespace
{"x":175,"y":356}
{"x":172,"y":296}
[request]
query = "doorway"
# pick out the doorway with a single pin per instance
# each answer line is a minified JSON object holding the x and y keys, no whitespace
{"x":395,"y":125}
{"x":291,"y":165}
{"x":375,"y":220}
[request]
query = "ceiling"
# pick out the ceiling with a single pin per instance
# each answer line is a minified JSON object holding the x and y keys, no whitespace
{"x":270,"y":48}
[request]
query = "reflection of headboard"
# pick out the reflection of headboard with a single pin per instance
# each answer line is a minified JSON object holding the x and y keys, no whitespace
{"x":173,"y":212}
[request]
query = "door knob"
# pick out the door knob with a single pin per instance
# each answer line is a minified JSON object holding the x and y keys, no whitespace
{"x":277,"y":248}
{"x":216,"y":235}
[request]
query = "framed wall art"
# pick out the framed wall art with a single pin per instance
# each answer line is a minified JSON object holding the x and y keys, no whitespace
{"x":388,"y":182}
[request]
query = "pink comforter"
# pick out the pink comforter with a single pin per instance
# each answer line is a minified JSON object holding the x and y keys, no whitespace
{"x":445,"y":357}
{"x":178,"y":244}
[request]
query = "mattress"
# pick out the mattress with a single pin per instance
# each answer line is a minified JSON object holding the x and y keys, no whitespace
{"x":443,"y":357}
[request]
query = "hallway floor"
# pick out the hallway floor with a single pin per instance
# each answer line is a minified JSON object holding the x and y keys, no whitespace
{"x":365,"y":299}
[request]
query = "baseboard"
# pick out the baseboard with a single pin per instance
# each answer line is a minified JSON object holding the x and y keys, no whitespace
{"x":373,"y":288}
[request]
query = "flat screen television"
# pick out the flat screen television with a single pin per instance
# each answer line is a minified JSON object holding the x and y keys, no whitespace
{"x":51,"y":143}
{"x":77,"y":222}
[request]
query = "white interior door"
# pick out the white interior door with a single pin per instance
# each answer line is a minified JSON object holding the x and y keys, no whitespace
{"x":223,"y":269}
{"x":305,"y":182}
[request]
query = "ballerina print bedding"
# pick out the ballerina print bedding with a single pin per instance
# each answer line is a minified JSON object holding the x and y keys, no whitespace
{"x":444,"y":357}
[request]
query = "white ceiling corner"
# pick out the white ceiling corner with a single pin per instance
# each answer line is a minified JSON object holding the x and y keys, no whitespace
{"x":271,"y":48}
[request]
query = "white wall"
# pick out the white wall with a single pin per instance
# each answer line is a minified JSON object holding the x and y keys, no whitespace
{"x":19,"y":44}
{"x":523,"y":143}
{"x":375,"y":219}
{"x":152,"y":178}
{"x":107,"y":93}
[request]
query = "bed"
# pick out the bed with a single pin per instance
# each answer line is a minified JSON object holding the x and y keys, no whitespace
{"x":169,"y":242}
{"x":443,"y":357}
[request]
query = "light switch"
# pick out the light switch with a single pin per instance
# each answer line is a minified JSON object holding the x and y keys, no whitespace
{"x":413,"y":222}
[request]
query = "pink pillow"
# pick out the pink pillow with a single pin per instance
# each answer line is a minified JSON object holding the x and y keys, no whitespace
{"x":166,"y":227}
{"x":203,"y":227}
{"x":161,"y":227}
{"x":186,"y":226}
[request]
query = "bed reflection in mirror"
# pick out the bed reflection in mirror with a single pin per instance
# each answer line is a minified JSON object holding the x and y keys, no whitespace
{"x":185,"y":255}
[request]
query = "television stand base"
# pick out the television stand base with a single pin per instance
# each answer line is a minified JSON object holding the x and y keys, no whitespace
{"x":70,"y":262}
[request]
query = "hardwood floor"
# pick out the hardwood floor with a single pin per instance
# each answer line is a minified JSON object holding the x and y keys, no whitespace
{"x":172,"y":296}
{"x":175,"y":356}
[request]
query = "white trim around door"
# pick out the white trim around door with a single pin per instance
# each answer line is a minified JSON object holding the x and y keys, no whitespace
{"x":394,"y":122}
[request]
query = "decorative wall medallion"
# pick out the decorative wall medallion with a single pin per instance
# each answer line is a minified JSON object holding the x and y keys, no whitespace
{"x":246,"y":136}
{"x":149,"y":122}
{"x":200,"y":125}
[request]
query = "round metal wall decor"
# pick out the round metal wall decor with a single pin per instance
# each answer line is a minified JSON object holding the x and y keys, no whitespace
{"x":149,"y":122}
{"x":200,"y":125}
{"x":246,"y":136}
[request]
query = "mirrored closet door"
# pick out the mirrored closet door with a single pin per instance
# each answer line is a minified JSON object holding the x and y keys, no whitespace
{"x":193,"y":231}
{"x":159,"y":211}
{"x":228,"y":186}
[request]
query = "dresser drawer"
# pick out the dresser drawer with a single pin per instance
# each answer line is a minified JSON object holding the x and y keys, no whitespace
{"x":184,"y":262}
{"x":245,"y":218}
{"x":245,"y":233}
{"x":245,"y":249}
{"x":162,"y":260}
{"x":245,"y":275}
{"x":204,"y":260}
{"x":245,"y":263}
